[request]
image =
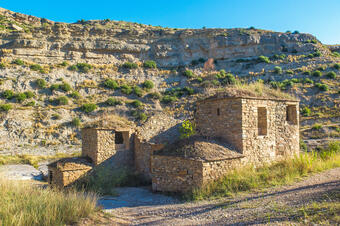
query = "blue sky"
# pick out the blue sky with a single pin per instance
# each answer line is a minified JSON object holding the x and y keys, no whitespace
{"x":318,"y":17}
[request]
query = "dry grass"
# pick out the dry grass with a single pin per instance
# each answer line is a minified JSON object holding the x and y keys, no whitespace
{"x":279,"y":173}
{"x":25,"y":204}
{"x":32,"y":160}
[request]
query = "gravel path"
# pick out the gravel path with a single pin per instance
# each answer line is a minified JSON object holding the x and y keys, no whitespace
{"x":137,"y":206}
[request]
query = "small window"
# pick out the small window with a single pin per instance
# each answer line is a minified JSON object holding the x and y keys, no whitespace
{"x":119,"y":138}
{"x":218,"y":112}
{"x":50,"y":175}
{"x":262,"y":121}
{"x":291,"y":114}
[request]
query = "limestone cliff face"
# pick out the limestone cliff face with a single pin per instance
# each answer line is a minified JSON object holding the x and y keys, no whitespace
{"x":103,"y":42}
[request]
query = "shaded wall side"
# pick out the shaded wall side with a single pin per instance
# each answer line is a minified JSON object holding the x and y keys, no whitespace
{"x":217,"y":169}
{"x":220,"y":118}
{"x":175,"y":174}
{"x":57,"y":177}
{"x":89,"y":143}
{"x":71,"y":176}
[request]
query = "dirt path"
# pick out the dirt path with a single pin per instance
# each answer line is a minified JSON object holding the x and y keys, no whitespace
{"x":280,"y":205}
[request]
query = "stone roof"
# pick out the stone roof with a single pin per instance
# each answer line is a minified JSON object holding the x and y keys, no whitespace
{"x":110,"y":121}
{"x":76,"y":163}
{"x":200,"y":149}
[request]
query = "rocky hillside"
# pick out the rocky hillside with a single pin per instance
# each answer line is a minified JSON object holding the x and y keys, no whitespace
{"x":56,"y":77}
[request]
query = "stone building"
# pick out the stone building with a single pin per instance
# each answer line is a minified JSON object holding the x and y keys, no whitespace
{"x":256,"y":130}
{"x":231,"y":131}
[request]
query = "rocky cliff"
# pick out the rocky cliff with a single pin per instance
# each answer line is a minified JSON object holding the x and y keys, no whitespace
{"x":52,"y":73}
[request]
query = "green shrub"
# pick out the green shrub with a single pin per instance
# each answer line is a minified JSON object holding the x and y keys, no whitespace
{"x":263,"y":59}
{"x":130,"y":65}
{"x":8,"y":94}
{"x":307,"y":73}
{"x":306,"y":111}
{"x":187,"y":129}
{"x":88,"y":107}
{"x":81,"y":67}
{"x":303,"y":146}
{"x":41,"y":83}
{"x":73,"y":68}
{"x":29,"y":94}
{"x":111,"y":84}
{"x":65,"y":87}
{"x":322,"y":87}
{"x":317,"y":53}
{"x":138,"y":91}
{"x":336,"y":66}
{"x":331,"y":74}
{"x":229,"y":79}
{"x":150,"y":64}
{"x":5,"y":107}
{"x":54,"y":87}
{"x":221,"y":74}
{"x":188,"y":73}
{"x":64,"y":64}
{"x":156,"y":95}
{"x":317,"y":126}
{"x":321,"y":68}
{"x":277,"y":70}
{"x":36,"y":67}
{"x":75,"y":95}
{"x":139,"y":115}
{"x":317,"y":73}
{"x":31,"y":103}
{"x":63,"y":100}
{"x":215,"y":82}
{"x":166,"y":99}
{"x":75,"y":122}
{"x":126,"y":89}
{"x":148,"y":84}
{"x":199,"y":79}
{"x":189,"y":90}
{"x":295,"y":80}
{"x":290,"y":72}
{"x":113,"y":102}
{"x":18,"y":62}
{"x":56,"y":116}
{"x":2,"y":65}
{"x":307,"y":80}
{"x":296,"y":32}
{"x":136,"y":103}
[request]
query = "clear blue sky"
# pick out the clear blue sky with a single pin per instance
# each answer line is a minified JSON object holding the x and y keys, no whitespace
{"x":318,"y":17}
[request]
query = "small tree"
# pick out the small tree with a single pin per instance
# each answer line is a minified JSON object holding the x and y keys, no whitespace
{"x":187,"y":129}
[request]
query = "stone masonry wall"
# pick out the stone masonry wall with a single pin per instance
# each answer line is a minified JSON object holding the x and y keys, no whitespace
{"x":175,"y":174}
{"x":217,"y":169}
{"x":220,"y":118}
{"x":70,"y":176}
{"x":89,"y":143}
{"x":279,"y":138}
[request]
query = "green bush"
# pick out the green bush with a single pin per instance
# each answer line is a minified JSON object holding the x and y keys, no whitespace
{"x":36,"y":67}
{"x":307,"y":73}
{"x":150,"y":64}
{"x":130,"y":65}
{"x":317,"y":126}
{"x":277,"y":70}
{"x":41,"y":83}
{"x":307,"y":80}
{"x":75,"y":122}
{"x":64,"y":64}
{"x":126,"y":89}
{"x":139,"y":115}
{"x":188,"y":90}
{"x":8,"y":94}
{"x":336,"y":66}
{"x":31,"y":103}
{"x":73,"y":68}
{"x":279,"y":57}
{"x":187,"y":129}
{"x":81,"y":67}
{"x":156,"y":95}
{"x":136,"y":103}
{"x":75,"y":95}
{"x":317,"y":73}
{"x":295,"y":80}
{"x":18,"y":62}
{"x":317,"y":53}
{"x":263,"y":59}
{"x":138,"y":91}
{"x":29,"y":94}
{"x":111,"y":84}
{"x":65,"y":87}
{"x":113,"y":102}
{"x":88,"y":107}
{"x":290,"y":72}
{"x":63,"y":100}
{"x":188,"y":73}
{"x":2,"y":65}
{"x":306,"y":111}
{"x":5,"y":107}
{"x":221,"y":74}
{"x":322,"y":87}
{"x":166,"y":99}
{"x":229,"y":79}
{"x":148,"y":84}
{"x":54,"y":87}
{"x":321,"y":68}
{"x":331,"y":74}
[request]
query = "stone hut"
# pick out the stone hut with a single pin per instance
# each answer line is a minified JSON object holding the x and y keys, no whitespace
{"x":251,"y":130}
{"x":192,"y":163}
{"x":66,"y":171}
